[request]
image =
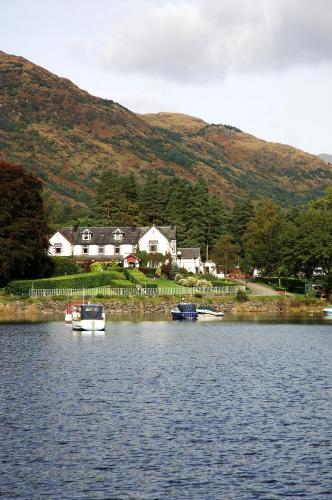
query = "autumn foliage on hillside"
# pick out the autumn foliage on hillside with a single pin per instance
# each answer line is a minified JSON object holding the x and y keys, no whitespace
{"x":68,"y":137}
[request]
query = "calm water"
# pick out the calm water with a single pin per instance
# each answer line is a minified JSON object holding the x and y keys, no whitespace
{"x":167,"y":410}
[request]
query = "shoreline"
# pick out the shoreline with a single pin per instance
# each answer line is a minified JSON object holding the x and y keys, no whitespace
{"x":147,"y":305}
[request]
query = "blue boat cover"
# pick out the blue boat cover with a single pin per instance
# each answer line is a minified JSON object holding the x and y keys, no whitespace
{"x":91,"y":311}
{"x":187,"y":307}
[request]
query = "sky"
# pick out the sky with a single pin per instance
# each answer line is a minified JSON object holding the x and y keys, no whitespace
{"x":264,"y":66}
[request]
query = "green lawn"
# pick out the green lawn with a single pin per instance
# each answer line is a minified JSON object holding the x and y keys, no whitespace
{"x":121,"y":283}
{"x":162,"y":283}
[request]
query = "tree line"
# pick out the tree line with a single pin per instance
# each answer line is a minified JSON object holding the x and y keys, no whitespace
{"x":253,"y":233}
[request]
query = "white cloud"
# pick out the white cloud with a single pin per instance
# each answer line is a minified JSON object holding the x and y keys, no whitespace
{"x":200,"y":40}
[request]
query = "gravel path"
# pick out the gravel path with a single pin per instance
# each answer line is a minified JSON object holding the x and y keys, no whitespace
{"x":259,"y":288}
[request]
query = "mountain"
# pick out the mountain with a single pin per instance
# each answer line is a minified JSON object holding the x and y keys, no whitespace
{"x":68,"y":137}
{"x":326,"y":158}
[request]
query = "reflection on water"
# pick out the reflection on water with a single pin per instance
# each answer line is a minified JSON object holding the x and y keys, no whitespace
{"x":95,"y":333}
{"x":44,"y":316}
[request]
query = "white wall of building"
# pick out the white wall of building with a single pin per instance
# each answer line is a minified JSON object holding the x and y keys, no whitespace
{"x":191,"y":265}
{"x":66,"y":246}
{"x":163,"y":245}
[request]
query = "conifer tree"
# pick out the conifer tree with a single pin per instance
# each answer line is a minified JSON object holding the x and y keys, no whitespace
{"x":175,"y":207}
{"x":195,"y":215}
{"x":116,"y":201}
{"x":150,"y":200}
{"x":216,"y":220}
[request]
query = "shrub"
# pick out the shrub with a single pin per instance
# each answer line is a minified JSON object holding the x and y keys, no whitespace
{"x":178,"y":277}
{"x":113,"y":266}
{"x":97,"y":267}
{"x":241,"y":296}
{"x":204,"y":283}
{"x":192,"y":281}
{"x":64,"y":266}
{"x":148,"y":271}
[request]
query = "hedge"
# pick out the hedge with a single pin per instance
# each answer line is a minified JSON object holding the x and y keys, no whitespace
{"x":78,"y":281}
{"x":139,"y":278}
{"x":63,"y":266}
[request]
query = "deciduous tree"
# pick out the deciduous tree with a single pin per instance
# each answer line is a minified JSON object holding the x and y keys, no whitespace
{"x":24,"y":228}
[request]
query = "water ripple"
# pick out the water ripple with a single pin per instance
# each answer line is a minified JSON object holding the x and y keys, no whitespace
{"x":166,"y":411}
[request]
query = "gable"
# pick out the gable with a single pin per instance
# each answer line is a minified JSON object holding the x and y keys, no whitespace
{"x":153,"y":233}
{"x":58,"y":237}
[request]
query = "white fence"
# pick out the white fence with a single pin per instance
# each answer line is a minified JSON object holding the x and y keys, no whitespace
{"x":107,"y":291}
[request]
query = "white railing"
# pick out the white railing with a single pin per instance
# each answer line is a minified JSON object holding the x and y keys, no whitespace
{"x":134,"y":291}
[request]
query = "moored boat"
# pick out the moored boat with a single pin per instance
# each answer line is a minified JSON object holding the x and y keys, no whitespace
{"x":184,"y":311}
{"x":208,"y":310}
{"x":328,"y":310}
{"x":88,"y":317}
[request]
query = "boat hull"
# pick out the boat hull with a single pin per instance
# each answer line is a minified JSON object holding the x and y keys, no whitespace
{"x":182,"y":316}
{"x":328,"y":311}
{"x":206,"y":312}
{"x":88,"y":324}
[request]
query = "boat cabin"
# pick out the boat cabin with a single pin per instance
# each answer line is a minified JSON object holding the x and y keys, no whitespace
{"x":90,"y":311}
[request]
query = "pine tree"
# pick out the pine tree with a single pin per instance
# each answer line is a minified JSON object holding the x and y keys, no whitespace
{"x":242,"y":213}
{"x":150,"y":200}
{"x":175,"y":207}
{"x":116,"y":201}
{"x":195,"y":216}
{"x":216,"y":220}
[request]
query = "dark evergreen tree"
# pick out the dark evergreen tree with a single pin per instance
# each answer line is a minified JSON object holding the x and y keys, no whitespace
{"x":216,"y":221}
{"x":242,"y":213}
{"x":195,"y":216}
{"x":24,"y":229}
{"x":175,"y":206}
{"x":150,"y":200}
{"x":116,"y":201}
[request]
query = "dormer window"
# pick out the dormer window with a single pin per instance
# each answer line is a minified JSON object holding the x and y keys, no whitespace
{"x":86,"y":235}
{"x":118,"y":235}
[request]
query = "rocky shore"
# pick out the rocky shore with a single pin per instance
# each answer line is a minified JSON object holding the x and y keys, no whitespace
{"x":150,"y":305}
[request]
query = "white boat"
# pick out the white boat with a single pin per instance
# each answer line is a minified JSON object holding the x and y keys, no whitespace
{"x":88,"y":317}
{"x":208,"y":310}
{"x":328,"y":310}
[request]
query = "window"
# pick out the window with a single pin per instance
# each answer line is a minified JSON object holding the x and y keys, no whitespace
{"x":118,"y":235}
{"x":57,"y":248}
{"x":153,"y":246}
{"x":101,"y":249}
{"x":85,"y":249}
{"x":86,"y":235}
{"x":117,"y":249}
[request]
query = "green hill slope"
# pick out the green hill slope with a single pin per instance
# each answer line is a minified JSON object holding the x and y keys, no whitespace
{"x":67,"y":137}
